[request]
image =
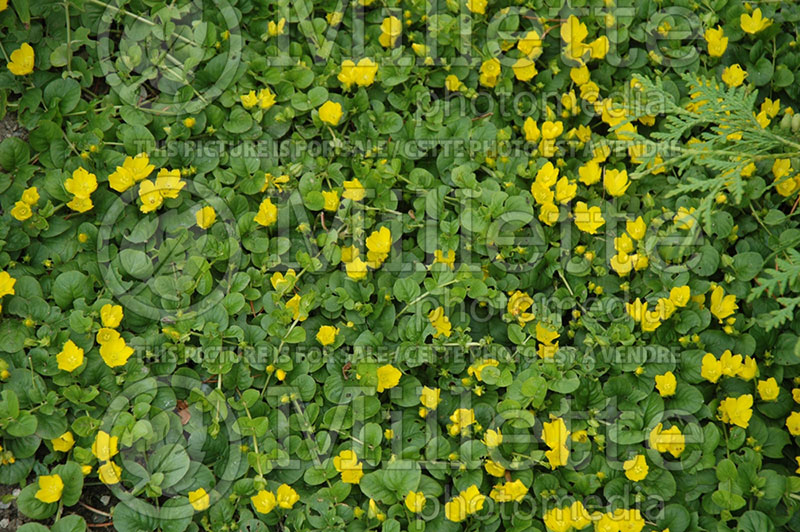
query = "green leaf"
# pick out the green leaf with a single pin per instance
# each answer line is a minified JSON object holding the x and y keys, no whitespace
{"x":70,"y":523}
{"x":32,"y":507}
{"x":72,"y":476}
{"x":406,"y":289}
{"x":136,"y":263}
{"x":14,"y":153}
{"x":747,"y":265}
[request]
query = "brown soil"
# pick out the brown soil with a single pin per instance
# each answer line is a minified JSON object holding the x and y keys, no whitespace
{"x":10,"y":128}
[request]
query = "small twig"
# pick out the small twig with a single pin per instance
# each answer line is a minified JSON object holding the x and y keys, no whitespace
{"x":100,"y":525}
{"x":794,"y":207}
{"x":95,"y":510}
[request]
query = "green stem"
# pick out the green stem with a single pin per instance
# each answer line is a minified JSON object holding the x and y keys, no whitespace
{"x":423,"y":296}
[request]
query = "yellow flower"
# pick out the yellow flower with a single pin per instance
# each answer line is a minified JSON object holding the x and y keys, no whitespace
{"x":531,"y":44}
{"x":749,"y":369}
{"x":81,"y":184}
{"x":683,"y":218}
{"x":492,"y":438}
{"x":50,"y":488}
{"x":104,"y":446}
{"x":541,"y":193}
{"x":754,"y":23}
{"x":452,"y":83}
{"x":722,"y":306}
{"x":462,"y":419}
{"x":356,"y":269}
{"x":670,"y":440}
{"x":388,"y":377}
{"x":139,"y":166}
{"x":666,"y":384}
{"x":440,"y":258}
{"x":477,"y":6}
{"x":121,"y":180}
{"x":63,"y":443}
{"x":599,"y":47}
{"x":565,"y":190}
{"x":70,"y":358}
{"x":30,"y":196}
{"x":590,"y":173}
{"x":205,"y":217}
{"x":490,"y":71}
{"x":476,"y":370}
{"x":636,"y":468}
{"x":266,"y":99}
{"x":22,"y":60}
{"x":555,"y":433}
{"x":717,"y":42}
{"x":109,"y":473}
{"x":680,"y":295}
{"x":354,"y":190}
{"x":151,"y":197}
{"x":168,"y":183}
{"x":494,"y":469}
{"x":580,"y":75}
{"x":733,"y":75}
{"x":552,"y":130}
{"x":711,"y":368}
{"x":588,"y":220}
{"x":524,"y":69}
{"x":737,"y":411}
{"x":616,"y":182}
{"x":636,"y":310}
{"x":623,"y":244}
{"x":508,"y":492}
{"x":327,"y":334}
{"x":391,"y":29}
{"x":573,"y":32}
{"x":518,"y":305}
{"x":199,"y":499}
{"x":111,"y":315}
{"x":331,"y":198}
{"x":558,"y":520}
{"x":622,"y":263}
{"x":80,"y":204}
{"x":532,"y":133}
{"x":440,"y":322}
{"x":768,"y":389}
{"x":21,"y":211}
{"x":793,"y":423}
{"x":379,"y":243}
{"x":545,"y":334}
{"x":473,"y":499}
{"x":276,"y":29}
{"x":731,"y":364}
{"x":651,"y":320}
{"x":361,"y":74}
{"x":249,"y":100}
{"x":348,"y":465}
{"x":267,"y":213}
{"x":415,"y":501}
{"x":430,"y":397}
{"x":189,"y":122}
{"x":294,"y":305}
{"x":106,"y":335}
{"x":286,"y":496}
{"x":548,"y":213}
{"x":330,"y":112}
{"x":86,"y":469}
{"x":456,"y":509}
{"x":264,"y":501}
{"x":770,"y":108}
{"x":115,"y":353}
